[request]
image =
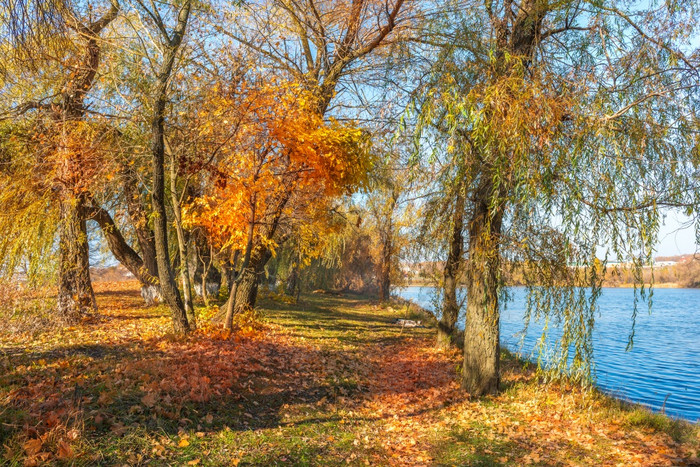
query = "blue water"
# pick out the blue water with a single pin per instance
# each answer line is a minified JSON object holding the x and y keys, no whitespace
{"x":664,"y":363}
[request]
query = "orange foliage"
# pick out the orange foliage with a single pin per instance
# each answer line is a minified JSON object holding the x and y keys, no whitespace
{"x":274,"y":159}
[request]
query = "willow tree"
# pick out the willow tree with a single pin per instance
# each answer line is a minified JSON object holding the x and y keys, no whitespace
{"x":60,"y":44}
{"x":574,"y":123}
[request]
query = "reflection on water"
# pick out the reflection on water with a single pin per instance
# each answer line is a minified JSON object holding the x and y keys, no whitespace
{"x":664,"y":364}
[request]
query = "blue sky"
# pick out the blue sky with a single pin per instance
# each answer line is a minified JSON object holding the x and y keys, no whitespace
{"x":677,"y":236}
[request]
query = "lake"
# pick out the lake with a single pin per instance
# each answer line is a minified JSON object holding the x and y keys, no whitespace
{"x":664,"y":364}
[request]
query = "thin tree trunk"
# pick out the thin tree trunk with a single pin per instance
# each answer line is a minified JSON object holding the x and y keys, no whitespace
{"x":182,"y":246}
{"x":481,"y":334}
{"x":185,"y":271}
{"x":387,"y":250}
{"x":205,"y":272}
{"x":450,"y":307}
{"x":160,"y":224}
{"x":75,"y":293}
{"x":291,"y":284}
{"x":165,"y":273}
{"x":226,"y":277}
{"x":385,"y":273}
{"x":205,"y":292}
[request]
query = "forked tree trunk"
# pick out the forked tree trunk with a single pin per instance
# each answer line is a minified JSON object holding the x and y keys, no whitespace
{"x":450,"y":307}
{"x":75,"y":293}
{"x":480,"y":374}
{"x":123,"y":252}
{"x":246,"y":288}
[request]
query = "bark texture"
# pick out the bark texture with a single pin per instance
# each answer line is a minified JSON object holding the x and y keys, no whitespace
{"x":118,"y":245}
{"x":150,"y":291}
{"x":450,"y":307}
{"x":75,"y":293}
{"x":481,"y":370}
{"x":245,"y":288}
{"x":169,"y":289}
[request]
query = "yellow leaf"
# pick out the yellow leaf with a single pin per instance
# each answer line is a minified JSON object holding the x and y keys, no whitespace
{"x":183,"y":443}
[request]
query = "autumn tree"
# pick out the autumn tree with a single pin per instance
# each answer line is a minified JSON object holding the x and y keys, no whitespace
{"x":573,"y":125}
{"x":320,"y":45}
{"x":67,"y":148}
{"x":278,"y":166}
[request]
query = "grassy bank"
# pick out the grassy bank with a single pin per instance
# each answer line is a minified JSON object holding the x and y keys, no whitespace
{"x":327,"y":381}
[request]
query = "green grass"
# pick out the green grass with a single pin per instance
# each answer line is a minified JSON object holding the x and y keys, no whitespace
{"x":312,"y":409}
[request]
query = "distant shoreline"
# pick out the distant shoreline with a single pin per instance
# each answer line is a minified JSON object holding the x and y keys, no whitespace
{"x":662,"y":285}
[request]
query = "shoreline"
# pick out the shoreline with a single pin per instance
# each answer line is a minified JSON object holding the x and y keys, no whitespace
{"x":663,"y":285}
{"x":612,"y":394}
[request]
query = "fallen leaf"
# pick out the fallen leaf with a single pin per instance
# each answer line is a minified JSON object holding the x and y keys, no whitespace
{"x":149,"y":400}
{"x":32,"y":447}
{"x":64,"y":450}
{"x":183,"y":443}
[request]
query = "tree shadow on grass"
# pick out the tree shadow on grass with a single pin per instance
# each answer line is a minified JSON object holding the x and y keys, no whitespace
{"x":160,"y":388}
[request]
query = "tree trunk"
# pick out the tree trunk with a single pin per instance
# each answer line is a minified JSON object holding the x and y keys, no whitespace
{"x":450,"y":307}
{"x":75,"y":293}
{"x":246,"y":290}
{"x":182,"y":246}
{"x":207,"y":277}
{"x":226,"y":278}
{"x":481,"y":334}
{"x":292,"y":282}
{"x":150,"y":290}
{"x":160,"y":224}
{"x":385,"y":272}
{"x":247,"y":286}
{"x":387,"y":248}
{"x":121,"y":250}
{"x":185,"y":273}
